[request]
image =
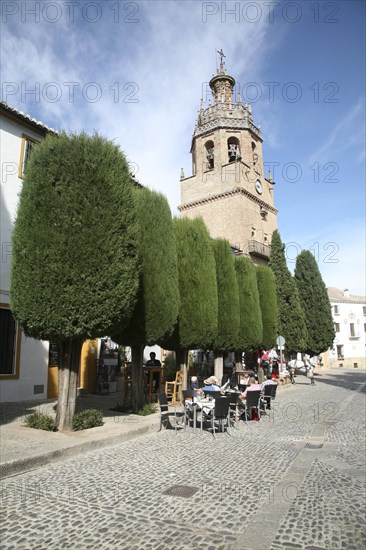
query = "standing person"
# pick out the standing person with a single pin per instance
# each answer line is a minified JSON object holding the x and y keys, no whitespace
{"x":309,"y":369}
{"x":262,"y":364}
{"x":291,"y":369}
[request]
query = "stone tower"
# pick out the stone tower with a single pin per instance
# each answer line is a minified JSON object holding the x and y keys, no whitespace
{"x":228,"y":188}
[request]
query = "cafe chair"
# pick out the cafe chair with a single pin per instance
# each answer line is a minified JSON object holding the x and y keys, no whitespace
{"x":166,"y":414}
{"x":252,"y":406}
{"x":267,"y":396}
{"x":234,"y":414}
{"x":173,"y":389}
{"x":213,"y":394}
{"x":188,"y":413}
{"x":220,"y":414}
{"x":274,"y":391}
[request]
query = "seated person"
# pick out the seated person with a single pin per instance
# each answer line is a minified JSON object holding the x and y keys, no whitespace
{"x":244,"y":379}
{"x":153,"y":362}
{"x":253,"y":386}
{"x":267,"y":399}
{"x":211,"y":384}
{"x":269,"y":381}
{"x":194,"y":384}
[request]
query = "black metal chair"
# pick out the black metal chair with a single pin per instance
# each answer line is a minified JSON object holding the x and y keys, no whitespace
{"x":252,"y":405}
{"x":165,"y":413}
{"x":234,"y":407}
{"x":219,"y":413}
{"x":188,"y":413}
{"x":274,"y":391}
{"x":213,"y":394}
{"x":266,"y":397}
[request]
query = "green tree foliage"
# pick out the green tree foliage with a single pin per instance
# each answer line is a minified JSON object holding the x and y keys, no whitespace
{"x":197,"y":321}
{"x":315,"y":303}
{"x":157,"y":307}
{"x":291,"y":319}
{"x":268,"y":302}
{"x":251,"y":328}
{"x":74,"y":264}
{"x":228,"y":297}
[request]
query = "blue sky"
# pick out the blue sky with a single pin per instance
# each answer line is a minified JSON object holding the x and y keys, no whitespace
{"x":135,"y":72}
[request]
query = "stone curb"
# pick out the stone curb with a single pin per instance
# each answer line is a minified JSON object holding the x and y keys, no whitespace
{"x":16,"y":467}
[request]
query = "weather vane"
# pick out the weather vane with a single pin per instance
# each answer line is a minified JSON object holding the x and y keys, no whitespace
{"x":221,"y":54}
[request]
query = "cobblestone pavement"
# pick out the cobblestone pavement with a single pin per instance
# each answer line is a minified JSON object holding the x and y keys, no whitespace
{"x":294,"y":480}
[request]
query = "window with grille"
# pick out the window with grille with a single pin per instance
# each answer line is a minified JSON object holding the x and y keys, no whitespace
{"x":9,"y":344}
{"x":25,"y":150}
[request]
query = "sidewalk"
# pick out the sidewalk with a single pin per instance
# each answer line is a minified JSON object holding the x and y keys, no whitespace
{"x":23,"y":448}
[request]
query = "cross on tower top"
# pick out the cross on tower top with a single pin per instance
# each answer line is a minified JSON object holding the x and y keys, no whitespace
{"x":221,"y":54}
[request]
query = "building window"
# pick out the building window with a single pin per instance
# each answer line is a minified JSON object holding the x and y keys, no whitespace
{"x":340,"y":352}
{"x":9,"y":344}
{"x":233,"y":149}
{"x":26,"y":147}
{"x":337,"y":327}
{"x":210,"y":154}
{"x":352,"y":330}
{"x":364,"y":310}
{"x":336,"y":310}
{"x":364,"y":327}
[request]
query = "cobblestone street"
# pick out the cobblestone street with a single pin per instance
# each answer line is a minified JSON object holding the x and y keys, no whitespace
{"x":294,"y":480}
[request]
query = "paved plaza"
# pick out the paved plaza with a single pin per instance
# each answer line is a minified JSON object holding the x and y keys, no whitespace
{"x":294,"y":480}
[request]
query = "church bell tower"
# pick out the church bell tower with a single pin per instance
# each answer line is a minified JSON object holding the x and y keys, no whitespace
{"x":228,"y":188}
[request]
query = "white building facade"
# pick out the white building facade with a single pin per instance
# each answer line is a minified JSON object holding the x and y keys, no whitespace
{"x":23,"y":361}
{"x":349,"y":317}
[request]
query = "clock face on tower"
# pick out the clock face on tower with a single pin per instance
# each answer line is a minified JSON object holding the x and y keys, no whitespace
{"x":258,"y":187}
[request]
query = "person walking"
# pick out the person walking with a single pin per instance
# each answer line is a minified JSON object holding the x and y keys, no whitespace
{"x":309,"y":369}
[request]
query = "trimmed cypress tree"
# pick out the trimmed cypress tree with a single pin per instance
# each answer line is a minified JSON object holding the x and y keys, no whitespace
{"x":268,"y":303}
{"x":198,"y":310}
{"x":251,"y":328}
{"x":228,"y":297}
{"x":74,"y":264}
{"x":157,"y":306}
{"x":291,"y":319}
{"x":315,"y":303}
{"x":228,"y":303}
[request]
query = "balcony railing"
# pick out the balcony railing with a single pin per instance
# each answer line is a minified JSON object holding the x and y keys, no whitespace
{"x":259,"y":249}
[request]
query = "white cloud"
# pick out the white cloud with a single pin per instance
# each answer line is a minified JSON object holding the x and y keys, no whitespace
{"x":165,"y":62}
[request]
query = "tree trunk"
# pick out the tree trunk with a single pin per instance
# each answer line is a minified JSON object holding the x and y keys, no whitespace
{"x":181,"y":360}
{"x":137,"y":359}
{"x":68,"y":376}
{"x":219,"y":366}
{"x":238,"y":361}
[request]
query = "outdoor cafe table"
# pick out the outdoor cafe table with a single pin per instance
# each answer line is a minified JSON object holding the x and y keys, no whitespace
{"x":198,"y":404}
